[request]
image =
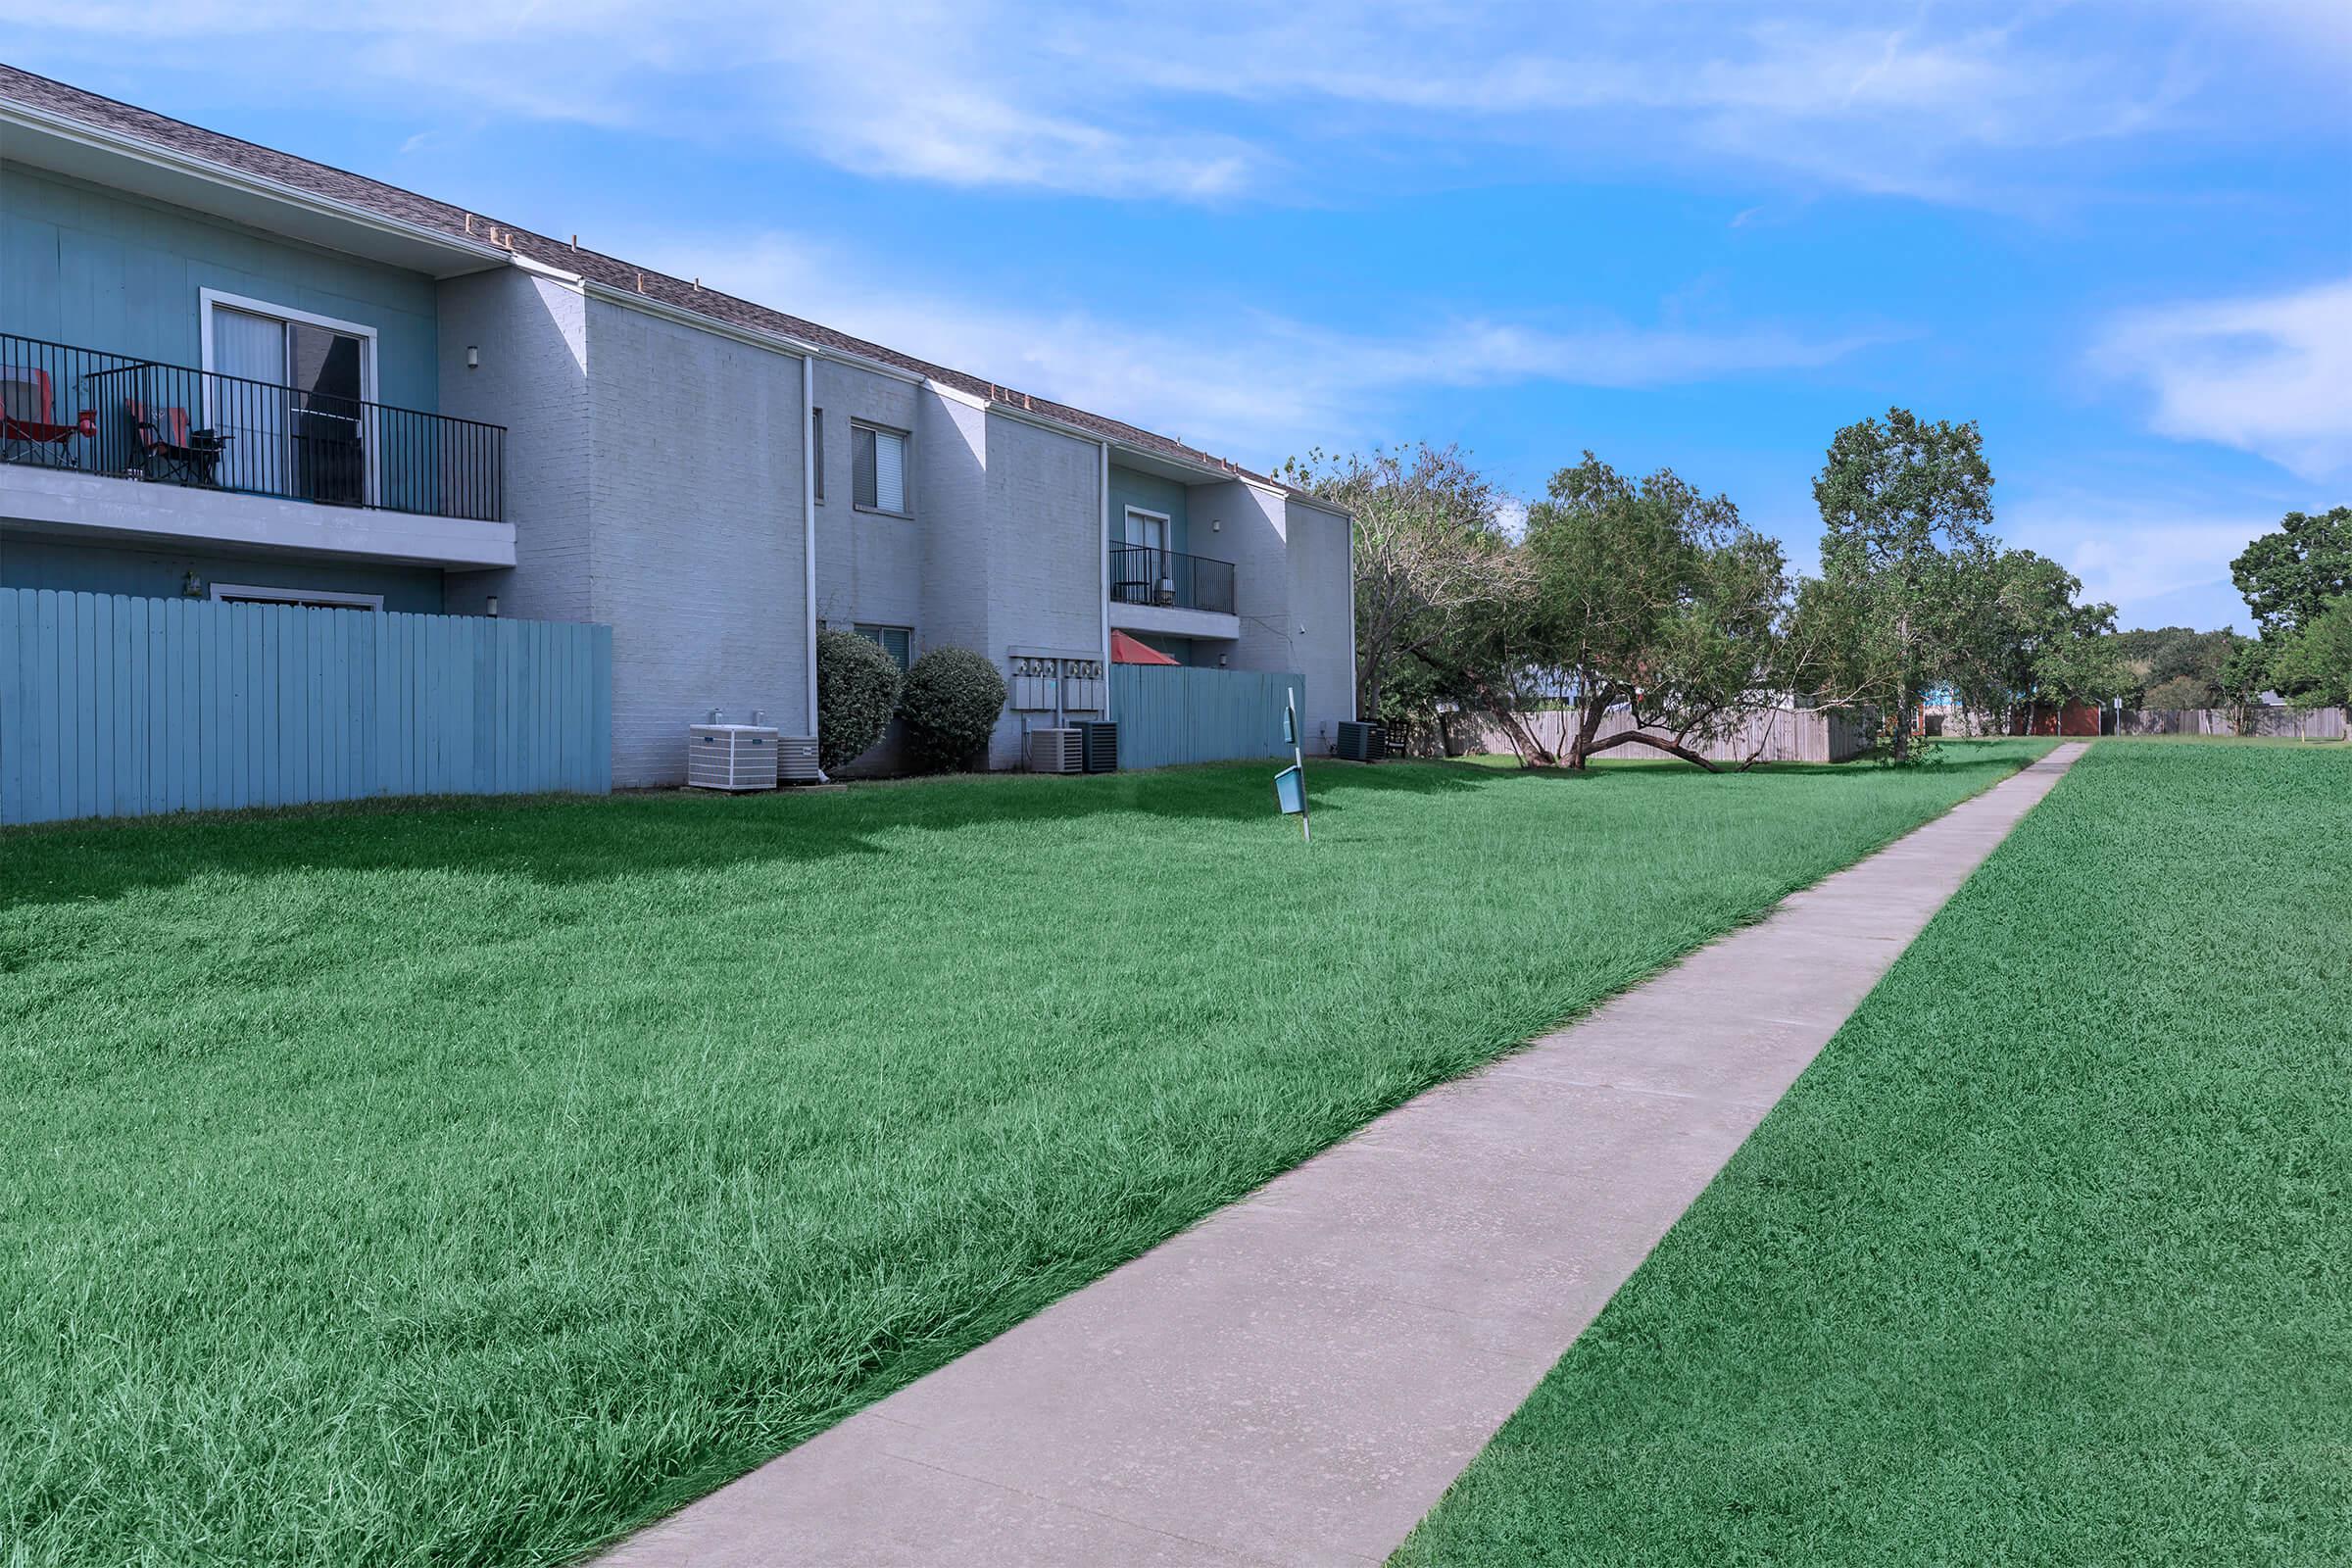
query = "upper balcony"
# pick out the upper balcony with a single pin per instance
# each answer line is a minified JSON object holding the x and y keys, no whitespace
{"x":1165,"y":591}
{"x":232,"y":461}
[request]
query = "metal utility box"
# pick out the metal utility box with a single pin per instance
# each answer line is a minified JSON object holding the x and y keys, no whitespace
{"x":730,"y":757}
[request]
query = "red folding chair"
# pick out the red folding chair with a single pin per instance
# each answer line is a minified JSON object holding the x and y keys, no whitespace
{"x":169,"y":449}
{"x":26,"y":430}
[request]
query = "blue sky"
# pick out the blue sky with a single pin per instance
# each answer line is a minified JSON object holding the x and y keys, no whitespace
{"x":1703,"y":235}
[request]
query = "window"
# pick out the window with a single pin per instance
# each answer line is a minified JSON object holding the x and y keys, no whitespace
{"x":816,"y":447}
{"x":878,"y":468}
{"x":244,"y":593}
{"x":290,"y":390}
{"x":1147,"y":529}
{"x":895,"y":641}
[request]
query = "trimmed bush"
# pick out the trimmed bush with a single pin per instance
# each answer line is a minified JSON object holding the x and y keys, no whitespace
{"x":950,"y":702}
{"x":857,"y":689}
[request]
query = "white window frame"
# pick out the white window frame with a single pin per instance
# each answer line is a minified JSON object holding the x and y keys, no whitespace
{"x":256,"y":593}
{"x":905,"y":467}
{"x":207,"y":298}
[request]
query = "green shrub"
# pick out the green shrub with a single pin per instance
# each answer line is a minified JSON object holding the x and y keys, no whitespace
{"x":950,"y":702}
{"x":857,"y":689}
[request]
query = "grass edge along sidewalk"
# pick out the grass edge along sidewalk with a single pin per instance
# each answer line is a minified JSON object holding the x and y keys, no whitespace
{"x":2042,"y":1259}
{"x":472,"y":1182}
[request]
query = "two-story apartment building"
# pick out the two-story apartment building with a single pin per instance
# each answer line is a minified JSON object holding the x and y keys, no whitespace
{"x":229,"y":373}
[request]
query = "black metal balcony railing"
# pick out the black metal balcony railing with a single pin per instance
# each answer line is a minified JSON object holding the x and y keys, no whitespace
{"x":71,"y":408}
{"x":1143,"y":575}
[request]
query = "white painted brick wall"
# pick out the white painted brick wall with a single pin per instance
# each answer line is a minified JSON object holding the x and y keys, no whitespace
{"x":1322,"y":599}
{"x":699,"y":557}
{"x":531,"y":336}
{"x":653,"y":475}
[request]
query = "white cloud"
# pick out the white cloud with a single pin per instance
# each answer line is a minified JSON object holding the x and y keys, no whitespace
{"x":2150,"y":557}
{"x":2271,"y":375}
{"x":1255,"y":387}
{"x":1219,"y":99}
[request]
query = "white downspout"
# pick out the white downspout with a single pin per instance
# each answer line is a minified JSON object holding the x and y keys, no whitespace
{"x":1103,"y":603}
{"x":1350,"y":523}
{"x":808,"y":517}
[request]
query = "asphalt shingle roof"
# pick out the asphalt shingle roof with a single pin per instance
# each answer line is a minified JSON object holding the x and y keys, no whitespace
{"x":423,"y":211}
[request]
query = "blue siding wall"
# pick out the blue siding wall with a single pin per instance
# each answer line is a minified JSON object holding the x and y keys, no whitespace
{"x":114,"y":706}
{"x":1168,"y":715}
{"x":104,"y":271}
{"x":27,"y":562}
{"x":1127,"y":488}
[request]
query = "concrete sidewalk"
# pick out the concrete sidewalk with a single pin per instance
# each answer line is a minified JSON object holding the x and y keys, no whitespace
{"x":1298,"y":1377}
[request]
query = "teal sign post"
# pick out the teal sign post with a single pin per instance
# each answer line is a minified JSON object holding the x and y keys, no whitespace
{"x":1290,"y":785}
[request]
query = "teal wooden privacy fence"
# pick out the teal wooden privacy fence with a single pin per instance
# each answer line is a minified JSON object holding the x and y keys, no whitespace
{"x":120,"y":707}
{"x":1171,"y":713}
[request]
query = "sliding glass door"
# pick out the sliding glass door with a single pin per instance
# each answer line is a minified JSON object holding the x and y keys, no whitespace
{"x":289,"y":393}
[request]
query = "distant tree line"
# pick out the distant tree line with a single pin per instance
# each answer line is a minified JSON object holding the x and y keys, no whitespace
{"x":1650,"y":598}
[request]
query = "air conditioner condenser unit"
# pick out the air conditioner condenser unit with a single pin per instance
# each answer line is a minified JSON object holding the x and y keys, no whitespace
{"x":1360,"y":742}
{"x":796,"y":759}
{"x":1060,"y":749}
{"x":730,"y":757}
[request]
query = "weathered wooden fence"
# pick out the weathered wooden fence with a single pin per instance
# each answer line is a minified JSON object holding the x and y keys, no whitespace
{"x":1771,"y":735}
{"x":119,"y":707}
{"x":2302,"y":724}
{"x":1171,"y":713}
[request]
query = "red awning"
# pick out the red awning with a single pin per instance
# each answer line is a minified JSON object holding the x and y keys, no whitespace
{"x":1125,"y":650}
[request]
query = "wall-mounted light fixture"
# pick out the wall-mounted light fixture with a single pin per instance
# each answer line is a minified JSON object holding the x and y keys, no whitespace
{"x":1216,"y":526}
{"x":190,"y":587}
{"x":1220,"y":660}
{"x":494,"y":606}
{"x":473,"y":357}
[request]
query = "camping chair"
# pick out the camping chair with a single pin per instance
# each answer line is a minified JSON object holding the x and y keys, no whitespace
{"x":27,"y":431}
{"x":169,"y":450}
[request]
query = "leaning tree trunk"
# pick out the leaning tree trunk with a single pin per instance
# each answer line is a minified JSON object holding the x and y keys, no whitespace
{"x":1634,"y":737}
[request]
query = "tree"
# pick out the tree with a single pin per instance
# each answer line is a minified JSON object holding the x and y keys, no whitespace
{"x":2023,"y":636}
{"x":1652,"y":593}
{"x":1905,"y":505}
{"x":2245,"y":674}
{"x":2313,"y":666}
{"x":2288,"y":576}
{"x":1434,"y":569}
{"x":2178,"y":692}
{"x":2183,"y":662}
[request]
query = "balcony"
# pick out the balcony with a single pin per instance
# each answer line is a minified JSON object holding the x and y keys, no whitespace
{"x":230,"y":460}
{"x":1143,"y":575}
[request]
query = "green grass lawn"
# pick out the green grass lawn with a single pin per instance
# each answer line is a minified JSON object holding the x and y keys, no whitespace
{"x":2048,"y":1257}
{"x":467,"y":1183}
